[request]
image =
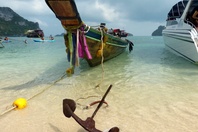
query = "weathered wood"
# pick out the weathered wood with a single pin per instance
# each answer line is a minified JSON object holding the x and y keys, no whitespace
{"x":66,"y":11}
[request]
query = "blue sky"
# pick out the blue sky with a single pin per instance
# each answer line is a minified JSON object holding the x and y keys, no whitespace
{"x":139,"y":17}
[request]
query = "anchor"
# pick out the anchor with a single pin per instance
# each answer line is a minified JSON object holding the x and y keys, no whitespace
{"x":69,"y":107}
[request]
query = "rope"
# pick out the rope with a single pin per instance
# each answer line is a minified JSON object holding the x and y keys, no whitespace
{"x":94,"y":103}
{"x":91,"y":104}
{"x":83,"y":98}
{"x":102,"y":60}
{"x":70,"y":46}
{"x":77,"y":45}
{"x":88,"y":28}
{"x":47,"y":88}
{"x":13,"y":107}
{"x":93,"y":96}
{"x":5,"y":112}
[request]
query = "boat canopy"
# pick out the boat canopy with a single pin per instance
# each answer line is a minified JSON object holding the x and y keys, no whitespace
{"x":177,"y":10}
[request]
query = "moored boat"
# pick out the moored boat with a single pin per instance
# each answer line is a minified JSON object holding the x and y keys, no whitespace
{"x":6,"y":41}
{"x":118,"y":32}
{"x":94,"y":44}
{"x":181,"y":32}
{"x":40,"y":40}
{"x":37,"y":33}
{"x":123,"y":33}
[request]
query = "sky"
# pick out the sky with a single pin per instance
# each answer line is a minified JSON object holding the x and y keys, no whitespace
{"x":139,"y":17}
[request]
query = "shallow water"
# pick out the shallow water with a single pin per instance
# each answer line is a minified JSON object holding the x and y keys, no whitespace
{"x":153,"y":89}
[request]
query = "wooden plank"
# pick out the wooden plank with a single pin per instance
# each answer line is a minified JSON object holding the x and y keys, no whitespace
{"x":66,"y":11}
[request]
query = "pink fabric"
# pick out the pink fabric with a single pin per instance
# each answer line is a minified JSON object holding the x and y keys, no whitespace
{"x":86,"y":48}
{"x":82,"y":47}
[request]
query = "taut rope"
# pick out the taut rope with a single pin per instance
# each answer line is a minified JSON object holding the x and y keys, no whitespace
{"x":13,"y":106}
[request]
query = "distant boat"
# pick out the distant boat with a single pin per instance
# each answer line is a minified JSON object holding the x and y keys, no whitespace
{"x":6,"y":41}
{"x":181,"y":32}
{"x":123,"y":33}
{"x":118,"y":32}
{"x":35,"y":33}
{"x":94,"y":44}
{"x":40,"y":40}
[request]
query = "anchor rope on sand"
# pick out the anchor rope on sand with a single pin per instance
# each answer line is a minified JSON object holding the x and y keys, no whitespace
{"x":47,"y":87}
{"x":83,"y":98}
{"x":90,"y":104}
{"x":98,"y":85}
{"x":21,"y":102}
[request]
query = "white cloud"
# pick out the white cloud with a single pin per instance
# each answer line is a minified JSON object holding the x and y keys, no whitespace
{"x":109,"y":13}
{"x":136,"y":16}
{"x":41,"y":23}
{"x":30,"y":7}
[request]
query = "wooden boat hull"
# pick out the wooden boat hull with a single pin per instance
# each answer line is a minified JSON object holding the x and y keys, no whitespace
{"x":100,"y":46}
{"x":112,"y":48}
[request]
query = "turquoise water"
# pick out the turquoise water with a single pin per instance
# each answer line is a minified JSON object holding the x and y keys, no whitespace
{"x":153,"y":89}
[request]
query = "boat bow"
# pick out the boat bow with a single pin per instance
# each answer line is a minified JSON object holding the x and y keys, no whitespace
{"x":94,"y":44}
{"x":66,"y":11}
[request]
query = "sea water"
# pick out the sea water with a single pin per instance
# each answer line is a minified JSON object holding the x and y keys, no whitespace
{"x":153,"y":89}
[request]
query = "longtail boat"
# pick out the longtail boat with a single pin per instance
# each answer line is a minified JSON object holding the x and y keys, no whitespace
{"x":95,"y":44}
{"x":37,"y":33}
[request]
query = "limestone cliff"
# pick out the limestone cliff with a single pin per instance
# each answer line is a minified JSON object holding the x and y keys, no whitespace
{"x":12,"y":24}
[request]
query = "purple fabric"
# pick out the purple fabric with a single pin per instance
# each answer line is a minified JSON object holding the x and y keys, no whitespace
{"x":82,"y":47}
{"x":86,"y":48}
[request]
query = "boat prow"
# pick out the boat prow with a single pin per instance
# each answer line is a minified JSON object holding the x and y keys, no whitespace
{"x":94,"y":44}
{"x":66,"y":11}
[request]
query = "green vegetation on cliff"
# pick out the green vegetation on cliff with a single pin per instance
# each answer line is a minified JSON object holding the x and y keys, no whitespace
{"x":11,"y":24}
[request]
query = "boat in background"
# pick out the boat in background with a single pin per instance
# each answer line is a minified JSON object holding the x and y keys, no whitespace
{"x":180,"y":34}
{"x":123,"y":33}
{"x":118,"y":32}
{"x":38,"y":33}
{"x":6,"y":40}
{"x":94,"y":44}
{"x":40,"y":40}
